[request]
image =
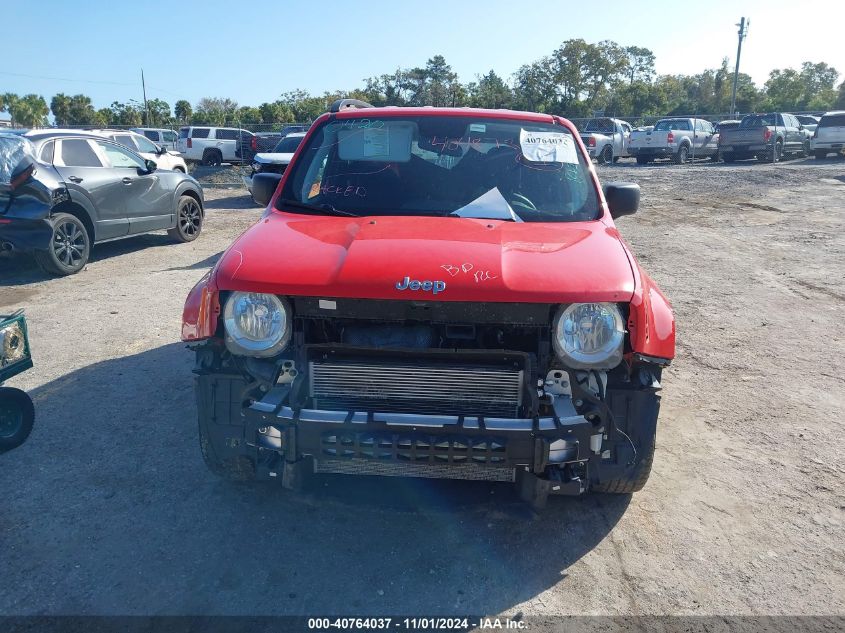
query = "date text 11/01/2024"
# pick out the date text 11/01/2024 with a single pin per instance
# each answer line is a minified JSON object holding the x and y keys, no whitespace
{"x":416,"y":624}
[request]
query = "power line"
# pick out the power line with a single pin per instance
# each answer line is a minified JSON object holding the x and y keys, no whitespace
{"x":87,"y":81}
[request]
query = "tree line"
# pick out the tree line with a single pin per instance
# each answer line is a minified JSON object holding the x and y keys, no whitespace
{"x":576,"y":80}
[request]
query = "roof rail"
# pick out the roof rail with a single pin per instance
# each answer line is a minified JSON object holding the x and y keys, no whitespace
{"x":349,"y":104}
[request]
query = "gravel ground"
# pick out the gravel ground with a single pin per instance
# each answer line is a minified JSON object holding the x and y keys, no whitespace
{"x":108,"y":508}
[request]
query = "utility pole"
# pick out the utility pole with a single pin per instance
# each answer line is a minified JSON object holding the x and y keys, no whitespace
{"x":743,"y":32}
{"x":147,"y":110}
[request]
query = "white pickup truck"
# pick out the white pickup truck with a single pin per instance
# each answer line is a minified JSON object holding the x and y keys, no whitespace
{"x":606,"y":139}
{"x":678,"y":139}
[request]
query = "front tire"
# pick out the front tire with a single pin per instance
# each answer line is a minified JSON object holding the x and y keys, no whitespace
{"x":17,"y":416}
{"x":638,"y":418}
{"x":69,"y":249}
{"x":632,"y":482}
{"x":189,"y":220}
{"x":805,"y":150}
{"x":238,"y":468}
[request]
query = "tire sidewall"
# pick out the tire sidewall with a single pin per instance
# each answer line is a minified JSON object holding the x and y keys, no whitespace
{"x":27,"y":409}
{"x":180,"y":204}
{"x":59,"y":266}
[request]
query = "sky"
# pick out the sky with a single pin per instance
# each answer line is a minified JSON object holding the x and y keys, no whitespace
{"x":252,"y":52}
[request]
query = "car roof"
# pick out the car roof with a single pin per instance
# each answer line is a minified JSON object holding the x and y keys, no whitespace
{"x":112,"y":131}
{"x":429,"y":111}
{"x":296,"y":134}
{"x":38,"y":135}
{"x":214,"y":127}
{"x":834,"y":112}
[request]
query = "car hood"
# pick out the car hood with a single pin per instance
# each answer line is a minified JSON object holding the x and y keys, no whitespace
{"x":474,"y":259}
{"x":273,"y":159}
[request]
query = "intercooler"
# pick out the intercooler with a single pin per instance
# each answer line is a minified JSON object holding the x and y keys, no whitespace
{"x":394,"y":385}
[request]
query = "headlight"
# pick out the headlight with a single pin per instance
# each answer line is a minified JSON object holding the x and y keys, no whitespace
{"x":13,"y":342}
{"x":256,"y":324}
{"x":589,"y":335}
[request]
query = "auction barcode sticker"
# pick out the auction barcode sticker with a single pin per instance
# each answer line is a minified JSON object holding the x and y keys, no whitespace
{"x":548,"y":147}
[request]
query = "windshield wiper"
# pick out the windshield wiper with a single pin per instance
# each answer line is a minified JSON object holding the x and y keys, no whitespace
{"x":325,"y":209}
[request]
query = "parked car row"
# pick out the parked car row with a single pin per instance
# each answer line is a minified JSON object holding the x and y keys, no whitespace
{"x":218,"y":145}
{"x":62,"y":191}
{"x":766,"y":137}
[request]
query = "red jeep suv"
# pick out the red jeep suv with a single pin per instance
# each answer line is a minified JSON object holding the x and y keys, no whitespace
{"x":433,"y":292}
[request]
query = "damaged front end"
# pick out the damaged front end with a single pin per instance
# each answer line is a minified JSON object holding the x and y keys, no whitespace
{"x":452,"y":390}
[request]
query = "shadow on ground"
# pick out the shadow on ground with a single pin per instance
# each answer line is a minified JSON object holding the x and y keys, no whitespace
{"x":21,"y":269}
{"x":108,"y":509}
{"x":233,"y":202}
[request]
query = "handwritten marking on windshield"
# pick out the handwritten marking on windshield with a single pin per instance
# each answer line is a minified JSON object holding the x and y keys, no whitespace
{"x":352,"y":124}
{"x":340,"y":190}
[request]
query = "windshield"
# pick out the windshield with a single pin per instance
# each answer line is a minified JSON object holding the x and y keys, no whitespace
{"x":437,"y":165}
{"x":288,"y":145}
{"x":833,"y":120}
{"x":676,"y":124}
{"x":600,"y":126}
{"x":759,"y":120}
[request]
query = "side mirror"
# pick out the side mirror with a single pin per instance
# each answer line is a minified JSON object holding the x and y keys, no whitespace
{"x":623,"y":198}
{"x":264,"y":186}
{"x":161,"y":150}
{"x":151,"y":166}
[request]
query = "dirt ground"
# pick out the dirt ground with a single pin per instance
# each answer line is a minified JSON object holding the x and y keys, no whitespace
{"x":108,"y":508}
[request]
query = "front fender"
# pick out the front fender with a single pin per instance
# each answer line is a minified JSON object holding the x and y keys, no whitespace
{"x":651,"y":321}
{"x":187,"y":186}
{"x":202,"y":309}
{"x":81,"y":200}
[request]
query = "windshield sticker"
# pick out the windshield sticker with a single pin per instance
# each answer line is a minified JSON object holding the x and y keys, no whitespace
{"x":376,"y":142}
{"x":548,"y":147}
{"x":477,"y":127}
{"x":489,"y":206}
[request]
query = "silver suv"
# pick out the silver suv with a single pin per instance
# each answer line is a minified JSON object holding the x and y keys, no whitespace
{"x":829,"y":137}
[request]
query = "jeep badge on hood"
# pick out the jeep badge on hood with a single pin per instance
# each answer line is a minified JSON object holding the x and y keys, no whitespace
{"x":428,"y":286}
